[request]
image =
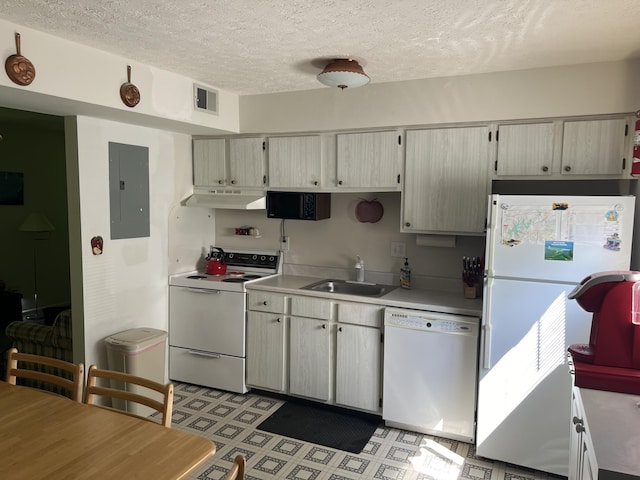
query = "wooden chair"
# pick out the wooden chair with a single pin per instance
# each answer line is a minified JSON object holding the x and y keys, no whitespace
{"x":47,"y":371}
{"x":237,"y":469}
{"x":93,"y":389}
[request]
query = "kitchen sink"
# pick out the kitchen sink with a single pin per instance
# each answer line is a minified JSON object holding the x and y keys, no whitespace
{"x":347,"y":287}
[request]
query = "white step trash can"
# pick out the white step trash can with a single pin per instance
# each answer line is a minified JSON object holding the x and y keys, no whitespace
{"x":140,"y":352}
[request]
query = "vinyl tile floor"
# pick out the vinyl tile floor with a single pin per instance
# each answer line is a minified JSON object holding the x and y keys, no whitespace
{"x":230,"y":420}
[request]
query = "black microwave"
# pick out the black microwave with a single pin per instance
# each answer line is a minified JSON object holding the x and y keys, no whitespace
{"x":298,"y":205}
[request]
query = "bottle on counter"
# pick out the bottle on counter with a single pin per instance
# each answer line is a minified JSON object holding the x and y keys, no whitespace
{"x":405,"y":274}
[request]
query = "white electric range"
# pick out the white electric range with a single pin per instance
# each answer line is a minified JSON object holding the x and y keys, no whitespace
{"x":207,"y":320}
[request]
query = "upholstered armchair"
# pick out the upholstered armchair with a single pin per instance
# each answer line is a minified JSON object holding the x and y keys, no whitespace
{"x":50,"y":341}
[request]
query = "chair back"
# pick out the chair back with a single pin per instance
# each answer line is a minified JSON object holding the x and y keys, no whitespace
{"x":237,"y":469}
{"x":46,"y":370}
{"x":94,"y":390}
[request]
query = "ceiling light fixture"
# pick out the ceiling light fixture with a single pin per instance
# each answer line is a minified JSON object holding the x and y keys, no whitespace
{"x":343,"y":73}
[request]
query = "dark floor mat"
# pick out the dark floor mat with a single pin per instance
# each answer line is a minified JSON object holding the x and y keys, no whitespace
{"x":335,"y":428}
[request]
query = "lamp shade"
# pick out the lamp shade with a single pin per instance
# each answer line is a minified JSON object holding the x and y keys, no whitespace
{"x":36,"y":222}
{"x":343,"y":73}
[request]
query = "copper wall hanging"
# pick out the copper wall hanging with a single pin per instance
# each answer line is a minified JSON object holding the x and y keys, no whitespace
{"x":19,"y":69}
{"x":129,"y":93}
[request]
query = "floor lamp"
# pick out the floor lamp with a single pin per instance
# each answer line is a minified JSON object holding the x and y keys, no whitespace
{"x":36,"y":223}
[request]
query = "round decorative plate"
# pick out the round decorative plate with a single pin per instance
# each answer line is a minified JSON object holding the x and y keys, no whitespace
{"x":369,"y":211}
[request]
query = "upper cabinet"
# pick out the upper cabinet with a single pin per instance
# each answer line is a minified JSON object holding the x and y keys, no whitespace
{"x":209,"y":162}
{"x":295,"y":162}
{"x":525,"y":149}
{"x":247,"y":162}
{"x":369,"y":160}
{"x":446,"y":180}
{"x":235,"y":162}
{"x":594,"y":147}
{"x":561,"y":149}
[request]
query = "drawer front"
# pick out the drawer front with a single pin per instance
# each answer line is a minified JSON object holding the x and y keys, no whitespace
{"x":202,"y":368}
{"x":361,"y":314}
{"x":266,"y":302}
{"x":207,"y":320}
{"x":311,"y":308}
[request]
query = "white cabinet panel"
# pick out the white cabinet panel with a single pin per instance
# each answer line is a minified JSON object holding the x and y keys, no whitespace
{"x":525,"y":149}
{"x":266,"y":351}
{"x":247,"y":162}
{"x":310,"y":358}
{"x":295,"y":162}
{"x":446,"y":180}
{"x":209,"y":162}
{"x":593,"y":147}
{"x":369,"y":160}
{"x":358,"y":367}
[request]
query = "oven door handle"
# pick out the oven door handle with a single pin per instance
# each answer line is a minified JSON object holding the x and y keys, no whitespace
{"x":200,"y":353}
{"x":202,"y":290}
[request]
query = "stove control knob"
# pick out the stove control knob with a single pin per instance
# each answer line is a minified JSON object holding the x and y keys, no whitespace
{"x":254,"y":257}
{"x":262,"y":258}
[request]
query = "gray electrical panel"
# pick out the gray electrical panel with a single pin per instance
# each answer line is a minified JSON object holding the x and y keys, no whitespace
{"x":129,"y":190}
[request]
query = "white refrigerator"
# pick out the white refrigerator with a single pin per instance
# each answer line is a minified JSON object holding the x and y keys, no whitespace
{"x":537,"y":249}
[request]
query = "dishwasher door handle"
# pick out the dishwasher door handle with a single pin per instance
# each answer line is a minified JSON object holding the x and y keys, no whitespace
{"x":199,"y":353}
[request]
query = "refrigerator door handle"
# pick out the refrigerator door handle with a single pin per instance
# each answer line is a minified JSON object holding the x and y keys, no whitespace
{"x":486,"y":352}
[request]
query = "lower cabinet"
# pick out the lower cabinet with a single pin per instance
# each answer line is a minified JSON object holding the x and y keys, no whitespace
{"x":358,"y":367}
{"x":319,"y":349}
{"x":582,"y":460}
{"x":266,"y":347}
{"x":310,"y":358}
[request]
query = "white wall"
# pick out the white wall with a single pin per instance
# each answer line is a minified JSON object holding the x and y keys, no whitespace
{"x":126,"y":286}
{"x":598,"y":88}
{"x":73,"y":79}
{"x":336,"y":241}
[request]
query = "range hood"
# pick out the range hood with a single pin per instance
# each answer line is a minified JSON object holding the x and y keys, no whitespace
{"x":227,"y":200}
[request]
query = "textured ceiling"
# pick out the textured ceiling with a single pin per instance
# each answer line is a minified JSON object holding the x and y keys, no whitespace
{"x":257,"y":46}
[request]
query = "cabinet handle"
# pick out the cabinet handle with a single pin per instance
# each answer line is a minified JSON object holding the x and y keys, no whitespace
{"x":567,"y":168}
{"x":315,"y":182}
{"x":576,"y":420}
{"x":324,"y":325}
{"x":545,"y":169}
{"x":233,"y":182}
{"x":580,"y":428}
{"x":278,"y":319}
{"x":339,"y":329}
{"x":264,"y":303}
{"x":220,"y":182}
{"x":264,"y":179}
{"x":339,"y":182}
{"x":407,"y":224}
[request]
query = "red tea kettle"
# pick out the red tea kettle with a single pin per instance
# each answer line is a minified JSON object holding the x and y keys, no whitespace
{"x":215,"y":262}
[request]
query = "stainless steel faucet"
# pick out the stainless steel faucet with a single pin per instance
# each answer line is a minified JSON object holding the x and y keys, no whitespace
{"x":360,"y":267}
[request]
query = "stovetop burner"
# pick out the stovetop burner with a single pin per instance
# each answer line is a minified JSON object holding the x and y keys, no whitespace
{"x":237,"y":279}
{"x":196,"y":277}
{"x":251,"y":276}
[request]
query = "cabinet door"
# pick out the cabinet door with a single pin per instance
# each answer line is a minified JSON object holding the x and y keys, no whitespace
{"x":525,"y":149}
{"x":247,"y":162}
{"x":358,"y":367}
{"x":209,"y":162}
{"x":295,"y":162}
{"x":446,"y":180}
{"x":369,"y":160}
{"x":310,"y":358}
{"x":266,"y":351}
{"x":593,"y":147}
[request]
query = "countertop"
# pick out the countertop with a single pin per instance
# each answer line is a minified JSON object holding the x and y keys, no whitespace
{"x":613,"y":420}
{"x":430,"y":300}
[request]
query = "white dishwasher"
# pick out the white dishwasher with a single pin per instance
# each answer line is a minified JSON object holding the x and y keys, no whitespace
{"x":430,"y":372}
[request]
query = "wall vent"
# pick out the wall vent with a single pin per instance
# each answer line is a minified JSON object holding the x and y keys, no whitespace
{"x":205,"y":100}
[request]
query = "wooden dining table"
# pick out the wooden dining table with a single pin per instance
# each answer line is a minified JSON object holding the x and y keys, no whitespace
{"x":44,"y":436}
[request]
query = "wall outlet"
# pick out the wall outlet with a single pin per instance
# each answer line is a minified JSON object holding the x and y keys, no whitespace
{"x":284,"y":243}
{"x":398,"y":249}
